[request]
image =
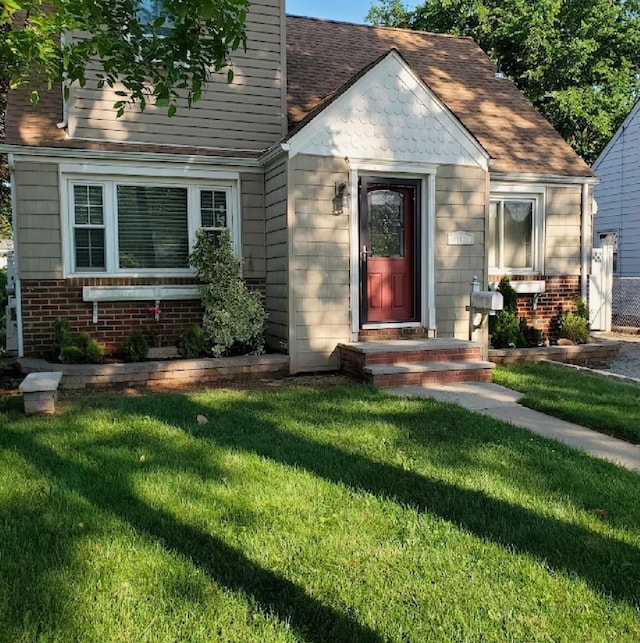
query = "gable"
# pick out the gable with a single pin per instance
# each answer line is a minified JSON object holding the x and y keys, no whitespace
{"x":389,"y":114}
{"x":630,"y":129}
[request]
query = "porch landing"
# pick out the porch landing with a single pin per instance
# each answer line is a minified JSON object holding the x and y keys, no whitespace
{"x":414,"y":362}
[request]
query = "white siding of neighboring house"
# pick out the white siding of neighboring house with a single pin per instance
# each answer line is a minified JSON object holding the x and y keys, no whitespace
{"x":618,"y":194}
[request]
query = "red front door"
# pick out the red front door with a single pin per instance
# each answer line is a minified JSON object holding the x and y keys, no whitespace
{"x":388,"y":249}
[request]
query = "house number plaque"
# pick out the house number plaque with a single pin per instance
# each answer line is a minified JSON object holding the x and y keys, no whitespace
{"x":460,"y":238}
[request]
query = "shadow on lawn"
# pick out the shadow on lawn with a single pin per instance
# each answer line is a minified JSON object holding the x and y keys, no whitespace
{"x":224,"y":564}
{"x":608,"y":565}
{"x":250,"y":423}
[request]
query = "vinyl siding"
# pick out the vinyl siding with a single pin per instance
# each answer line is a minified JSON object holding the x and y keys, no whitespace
{"x":277,"y":262}
{"x":563,"y":231}
{"x":247,"y":114}
{"x":253,"y":225}
{"x":320,"y":287}
{"x":618,"y":194}
{"x":462,"y":197}
{"x":38,"y":221}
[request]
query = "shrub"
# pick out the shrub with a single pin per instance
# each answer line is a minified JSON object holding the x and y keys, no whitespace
{"x":574,"y":326}
{"x":193,"y":343}
{"x":509,"y":295}
{"x":505,"y":331}
{"x":75,"y":349}
{"x":136,"y":347}
{"x":233,"y":315}
{"x":530,"y":336}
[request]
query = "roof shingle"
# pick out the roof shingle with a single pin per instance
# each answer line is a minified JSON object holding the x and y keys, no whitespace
{"x":324,"y":56}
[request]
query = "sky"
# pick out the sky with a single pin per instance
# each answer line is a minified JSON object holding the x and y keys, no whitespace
{"x":347,"y":10}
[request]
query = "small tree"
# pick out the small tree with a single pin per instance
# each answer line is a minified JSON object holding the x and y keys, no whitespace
{"x":234,"y":317}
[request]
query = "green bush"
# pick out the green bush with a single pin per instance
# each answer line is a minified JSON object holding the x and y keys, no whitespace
{"x":75,"y":349}
{"x":509,"y":295}
{"x":193,"y":343}
{"x":234,"y":318}
{"x":530,"y":336}
{"x":574,"y":326}
{"x":136,"y":347}
{"x":505,"y":331}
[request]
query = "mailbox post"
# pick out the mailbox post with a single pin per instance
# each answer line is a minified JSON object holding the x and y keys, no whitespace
{"x":483,"y":303}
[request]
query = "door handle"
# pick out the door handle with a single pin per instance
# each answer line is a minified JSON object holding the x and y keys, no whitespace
{"x":365,"y":253}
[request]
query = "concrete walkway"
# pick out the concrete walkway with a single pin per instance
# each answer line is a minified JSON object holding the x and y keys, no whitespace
{"x":502,"y":403}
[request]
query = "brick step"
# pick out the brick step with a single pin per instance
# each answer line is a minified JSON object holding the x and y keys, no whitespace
{"x":356,"y":356}
{"x":424,"y":373}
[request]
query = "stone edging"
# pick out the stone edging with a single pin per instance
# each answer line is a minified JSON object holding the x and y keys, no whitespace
{"x":593,"y":354}
{"x":179,"y":372}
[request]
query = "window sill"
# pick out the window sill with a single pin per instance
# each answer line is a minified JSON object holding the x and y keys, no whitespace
{"x":139,"y":293}
{"x":534,"y":287}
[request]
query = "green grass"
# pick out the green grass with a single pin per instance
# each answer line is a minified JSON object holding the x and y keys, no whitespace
{"x":307,"y":515}
{"x":587,"y":399}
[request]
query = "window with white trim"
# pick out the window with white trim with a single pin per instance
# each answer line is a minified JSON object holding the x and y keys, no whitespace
{"x":145,"y":226}
{"x":514,"y":237}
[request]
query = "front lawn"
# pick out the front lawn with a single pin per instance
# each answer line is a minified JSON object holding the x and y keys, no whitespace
{"x":587,"y":399}
{"x":302,"y":514}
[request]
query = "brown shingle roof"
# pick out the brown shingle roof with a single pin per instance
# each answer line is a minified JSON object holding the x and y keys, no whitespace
{"x":323,"y":57}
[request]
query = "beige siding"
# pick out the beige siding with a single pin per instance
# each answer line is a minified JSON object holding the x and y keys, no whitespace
{"x":563,"y":231}
{"x":253,"y":226}
{"x":247,"y":114}
{"x":320,"y":288}
{"x":38,"y":221}
{"x":277,"y":262}
{"x":462,"y":195}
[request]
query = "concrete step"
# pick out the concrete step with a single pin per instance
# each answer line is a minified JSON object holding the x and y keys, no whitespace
{"x":426,"y":373}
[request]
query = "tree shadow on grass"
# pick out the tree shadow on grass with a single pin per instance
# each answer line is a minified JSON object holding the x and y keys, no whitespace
{"x":606,"y":564}
{"x":226,"y":566}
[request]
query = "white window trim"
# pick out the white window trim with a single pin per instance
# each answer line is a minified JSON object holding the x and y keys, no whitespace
{"x":534,"y":193}
{"x":109,"y":177}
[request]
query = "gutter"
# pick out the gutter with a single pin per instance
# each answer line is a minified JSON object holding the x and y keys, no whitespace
{"x":14,"y":219}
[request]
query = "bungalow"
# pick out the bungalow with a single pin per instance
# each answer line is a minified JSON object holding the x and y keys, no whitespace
{"x":366,"y":175}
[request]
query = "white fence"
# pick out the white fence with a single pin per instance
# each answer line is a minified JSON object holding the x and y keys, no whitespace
{"x":626,"y":301}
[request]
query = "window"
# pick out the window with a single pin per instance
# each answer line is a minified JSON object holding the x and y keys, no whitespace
{"x":514,"y":237}
{"x":88,"y":227}
{"x":142,"y":226}
{"x":149,"y":11}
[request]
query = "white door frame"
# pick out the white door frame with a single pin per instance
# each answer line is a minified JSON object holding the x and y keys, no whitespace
{"x":427,"y":177}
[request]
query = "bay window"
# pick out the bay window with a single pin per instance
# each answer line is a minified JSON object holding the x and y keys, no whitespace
{"x":142,"y":226}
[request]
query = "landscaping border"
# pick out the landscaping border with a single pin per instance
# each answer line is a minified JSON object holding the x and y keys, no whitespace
{"x":592,"y":354}
{"x":162,"y":373}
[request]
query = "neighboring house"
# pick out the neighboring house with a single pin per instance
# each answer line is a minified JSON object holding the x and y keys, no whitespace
{"x":617,"y":220}
{"x":366,"y":175}
{"x":6,"y":246}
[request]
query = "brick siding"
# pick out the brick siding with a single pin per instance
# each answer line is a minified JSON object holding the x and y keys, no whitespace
{"x":45,"y":301}
{"x":557,"y":298}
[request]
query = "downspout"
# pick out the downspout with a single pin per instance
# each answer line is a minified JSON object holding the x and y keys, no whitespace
{"x":16,"y":244}
{"x":65,"y":85}
{"x":584,"y":254}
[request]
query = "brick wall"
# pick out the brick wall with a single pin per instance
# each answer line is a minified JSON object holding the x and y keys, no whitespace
{"x":45,"y":301}
{"x":557,"y":298}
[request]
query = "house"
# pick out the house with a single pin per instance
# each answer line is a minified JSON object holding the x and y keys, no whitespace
{"x":366,"y":175}
{"x":617,"y":220}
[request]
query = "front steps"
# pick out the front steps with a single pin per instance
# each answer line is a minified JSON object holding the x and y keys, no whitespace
{"x":414,"y":362}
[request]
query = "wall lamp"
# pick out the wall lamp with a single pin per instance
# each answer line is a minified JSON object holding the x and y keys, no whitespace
{"x":341,"y":199}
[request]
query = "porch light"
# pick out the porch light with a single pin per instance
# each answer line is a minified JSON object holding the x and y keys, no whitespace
{"x":341,"y":199}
